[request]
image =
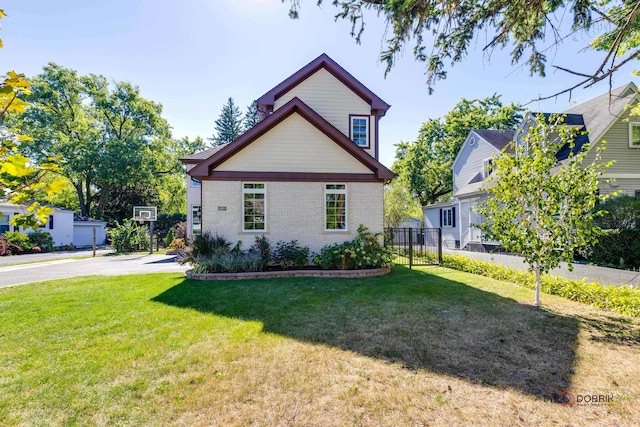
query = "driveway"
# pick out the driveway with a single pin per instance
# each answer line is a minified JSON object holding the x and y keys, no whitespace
{"x":39,"y":270}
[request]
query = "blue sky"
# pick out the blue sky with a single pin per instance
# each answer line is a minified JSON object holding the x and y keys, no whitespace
{"x":192,"y":55}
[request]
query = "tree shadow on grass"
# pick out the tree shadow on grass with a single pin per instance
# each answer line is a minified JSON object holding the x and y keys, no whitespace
{"x":414,"y":318}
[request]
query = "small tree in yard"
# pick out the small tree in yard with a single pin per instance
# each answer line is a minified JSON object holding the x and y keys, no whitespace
{"x":539,"y":207}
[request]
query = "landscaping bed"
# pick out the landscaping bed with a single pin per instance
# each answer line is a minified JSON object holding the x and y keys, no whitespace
{"x":309,"y":272}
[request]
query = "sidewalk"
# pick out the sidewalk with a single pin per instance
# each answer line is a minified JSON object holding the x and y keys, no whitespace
{"x":591,"y":273}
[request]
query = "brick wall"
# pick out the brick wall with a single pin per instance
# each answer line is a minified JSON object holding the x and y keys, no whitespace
{"x":295,"y":210}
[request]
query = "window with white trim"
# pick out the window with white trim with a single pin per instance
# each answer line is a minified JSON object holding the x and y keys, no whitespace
{"x":254,"y":199}
{"x":487,"y":167}
{"x":196,"y":220}
{"x":447,"y":217}
{"x":634,"y":135}
{"x":335,"y":211}
{"x":195,"y":182}
{"x":360,"y":130}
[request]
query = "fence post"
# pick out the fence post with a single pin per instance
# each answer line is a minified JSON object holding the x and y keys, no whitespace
{"x":440,"y":245}
{"x":410,"y":247}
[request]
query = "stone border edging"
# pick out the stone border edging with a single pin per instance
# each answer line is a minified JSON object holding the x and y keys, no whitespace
{"x":371,"y":272}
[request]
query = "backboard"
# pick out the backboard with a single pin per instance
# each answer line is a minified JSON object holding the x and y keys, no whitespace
{"x":145,"y":213}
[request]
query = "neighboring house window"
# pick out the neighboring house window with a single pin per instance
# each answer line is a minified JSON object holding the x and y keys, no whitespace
{"x":49,"y":223}
{"x":360,"y":130}
{"x":195,"y":182}
{"x":487,"y":167}
{"x":448,"y":217}
{"x":335,"y":207}
{"x":634,"y":135}
{"x":637,"y":193}
{"x":4,"y":223}
{"x":254,"y":216}
{"x":196,"y":220}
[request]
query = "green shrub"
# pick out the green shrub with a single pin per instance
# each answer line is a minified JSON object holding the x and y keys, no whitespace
{"x":619,"y":212}
{"x":176,"y":244}
{"x":19,"y":239}
{"x":290,"y":255}
{"x":365,"y":251}
{"x":129,"y":237}
{"x":621,"y":299}
{"x":226,"y":262}
{"x":41,"y":239}
{"x":205,"y":244}
{"x":169,"y":238}
{"x":615,"y":248}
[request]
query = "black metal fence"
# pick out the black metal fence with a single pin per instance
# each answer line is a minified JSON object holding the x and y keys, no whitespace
{"x":415,"y":246}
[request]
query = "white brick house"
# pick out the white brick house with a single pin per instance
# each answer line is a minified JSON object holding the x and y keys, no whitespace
{"x":308,"y":171}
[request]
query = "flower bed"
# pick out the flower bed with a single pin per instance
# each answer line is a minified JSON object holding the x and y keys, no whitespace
{"x":368,"y":272}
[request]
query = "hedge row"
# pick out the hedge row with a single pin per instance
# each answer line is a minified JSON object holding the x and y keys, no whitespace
{"x":622,"y":299}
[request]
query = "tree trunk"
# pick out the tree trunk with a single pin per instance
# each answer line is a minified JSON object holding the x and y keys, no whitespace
{"x":102,"y":201}
{"x":538,"y":284}
{"x":84,"y":210}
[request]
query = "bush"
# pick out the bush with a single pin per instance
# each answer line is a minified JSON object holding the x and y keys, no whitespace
{"x":205,"y":245}
{"x":365,"y":251}
{"x":18,"y":239}
{"x":615,"y":248}
{"x":224,"y":261}
{"x":262,"y":247}
{"x":620,"y":212}
{"x":176,"y":244}
{"x":42,"y":240}
{"x":166,"y":222}
{"x":180,"y":230}
{"x":129,"y":237}
{"x":8,"y":248}
{"x":169,"y":238}
{"x":621,"y":299}
{"x":290,"y":255}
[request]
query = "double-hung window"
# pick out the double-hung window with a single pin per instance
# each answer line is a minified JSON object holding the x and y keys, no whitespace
{"x":254,"y":198}
{"x":447,"y":217}
{"x":487,"y":167}
{"x":634,"y":135}
{"x":4,"y":223}
{"x":196,"y":220}
{"x":360,"y":130}
{"x":335,"y":207}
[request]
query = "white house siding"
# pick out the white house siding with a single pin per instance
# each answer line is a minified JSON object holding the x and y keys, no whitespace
{"x":83,"y":233}
{"x":330,"y":98}
{"x":469,"y":161}
{"x":61,"y":232}
{"x":450,"y":235}
{"x":295,"y":211}
{"x":295,"y":145}
{"x":620,"y":185}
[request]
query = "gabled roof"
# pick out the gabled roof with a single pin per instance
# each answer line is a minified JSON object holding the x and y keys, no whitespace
{"x":295,"y":106}
{"x":498,"y":138}
{"x":378,"y":106}
{"x":200,"y":156}
{"x":600,"y":113}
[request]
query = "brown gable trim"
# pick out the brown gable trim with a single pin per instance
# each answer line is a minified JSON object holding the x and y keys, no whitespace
{"x":206,"y":167}
{"x":292,"y":177}
{"x":378,"y":106}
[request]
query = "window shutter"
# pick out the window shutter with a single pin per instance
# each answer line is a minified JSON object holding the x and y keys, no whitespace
{"x":440,"y":217}
{"x":453,"y":216}
{"x":50,"y":222}
{"x":16,"y":227}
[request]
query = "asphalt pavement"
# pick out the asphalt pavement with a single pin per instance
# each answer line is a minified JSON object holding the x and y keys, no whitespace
{"x":16,"y":270}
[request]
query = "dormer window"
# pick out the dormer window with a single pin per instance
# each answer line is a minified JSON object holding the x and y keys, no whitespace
{"x":634,"y":135}
{"x":359,"y":127}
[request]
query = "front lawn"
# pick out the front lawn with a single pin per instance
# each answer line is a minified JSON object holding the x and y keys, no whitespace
{"x":422,"y":347}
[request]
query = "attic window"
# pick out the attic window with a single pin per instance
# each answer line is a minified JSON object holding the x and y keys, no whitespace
{"x":487,"y":167}
{"x":359,"y":127}
{"x":634,"y":135}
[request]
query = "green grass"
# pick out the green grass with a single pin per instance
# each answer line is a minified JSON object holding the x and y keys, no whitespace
{"x":423,"y":346}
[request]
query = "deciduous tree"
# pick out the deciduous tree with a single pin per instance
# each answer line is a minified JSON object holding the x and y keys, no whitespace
{"x":537,"y":206}
{"x":425,"y":164}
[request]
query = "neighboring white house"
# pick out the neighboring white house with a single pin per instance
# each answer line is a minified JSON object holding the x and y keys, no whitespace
{"x":600,"y":118}
{"x":59,"y":224}
{"x":64,"y":226}
{"x":308,"y":171}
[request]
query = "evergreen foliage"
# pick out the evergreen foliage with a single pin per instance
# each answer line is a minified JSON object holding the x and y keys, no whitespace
{"x":229,"y":124}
